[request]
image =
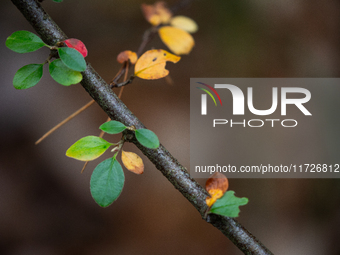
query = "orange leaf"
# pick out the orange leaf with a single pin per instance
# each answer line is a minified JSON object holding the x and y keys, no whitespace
{"x":127,"y":55}
{"x":151,"y":65}
{"x":178,"y":41}
{"x":157,"y":13}
{"x":216,"y":186}
{"x":184,"y":23}
{"x":132,"y":162}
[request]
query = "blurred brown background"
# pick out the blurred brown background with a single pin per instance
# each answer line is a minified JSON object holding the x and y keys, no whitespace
{"x":46,"y":205}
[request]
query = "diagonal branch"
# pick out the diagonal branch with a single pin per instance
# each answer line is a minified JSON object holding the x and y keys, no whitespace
{"x":100,"y":91}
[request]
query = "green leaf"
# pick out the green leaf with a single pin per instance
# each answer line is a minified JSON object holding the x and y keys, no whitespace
{"x":57,"y":1}
{"x":72,"y":58}
{"x":113,"y":127}
{"x":228,"y":205}
{"x":24,"y":41}
{"x":107,"y":182}
{"x":147,"y":138}
{"x":28,"y":76}
{"x":64,"y":75}
{"x":88,"y":148}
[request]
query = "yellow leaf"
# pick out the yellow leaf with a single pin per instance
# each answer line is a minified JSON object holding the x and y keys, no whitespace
{"x":178,"y":41}
{"x":132,"y":162}
{"x":215,"y":194}
{"x":157,"y":13}
{"x":151,"y":65}
{"x":127,"y":55}
{"x":216,"y":186}
{"x":184,"y":23}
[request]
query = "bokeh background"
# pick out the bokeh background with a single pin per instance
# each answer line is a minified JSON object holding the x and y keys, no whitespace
{"x":45,"y":202}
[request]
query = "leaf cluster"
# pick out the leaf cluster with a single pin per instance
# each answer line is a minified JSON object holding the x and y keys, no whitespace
{"x":66,"y":69}
{"x":173,"y":31}
{"x":107,"y":179}
{"x":222,"y":202}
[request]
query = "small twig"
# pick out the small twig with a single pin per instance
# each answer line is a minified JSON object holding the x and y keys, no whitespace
{"x":118,"y":75}
{"x":82,"y":170}
{"x":206,"y":212}
{"x":76,"y":112}
{"x":125,"y":78}
{"x":122,"y":84}
{"x":147,"y":37}
{"x":65,"y":121}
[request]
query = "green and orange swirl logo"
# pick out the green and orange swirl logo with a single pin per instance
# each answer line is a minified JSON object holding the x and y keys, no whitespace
{"x":209,"y":93}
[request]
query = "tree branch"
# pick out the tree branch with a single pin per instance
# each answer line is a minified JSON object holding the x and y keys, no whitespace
{"x":100,"y":91}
